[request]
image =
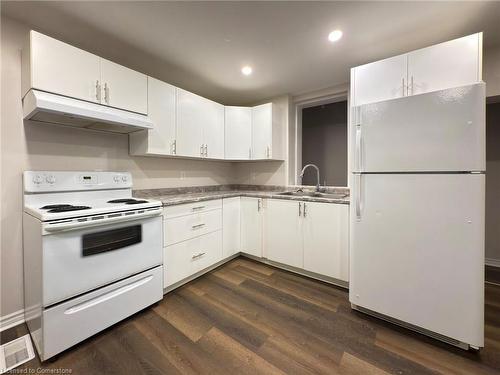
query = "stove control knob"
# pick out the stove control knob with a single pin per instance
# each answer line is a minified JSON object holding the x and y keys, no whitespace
{"x":50,"y":179}
{"x":125,"y":179}
{"x":37,"y":179}
{"x":116,"y":178}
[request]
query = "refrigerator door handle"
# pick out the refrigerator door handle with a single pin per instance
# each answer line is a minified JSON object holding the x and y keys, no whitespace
{"x":358,"y":147}
{"x":359,"y":193}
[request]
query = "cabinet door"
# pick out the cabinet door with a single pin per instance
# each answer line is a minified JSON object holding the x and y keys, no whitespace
{"x":208,"y":252}
{"x":251,"y":226}
{"x":378,"y":81}
{"x":161,"y":111}
{"x":326,"y":250}
{"x":446,"y":65}
{"x":238,"y":133}
{"x":231,"y":226}
{"x":284,"y":232}
{"x":190,"y":120}
{"x":213,"y":129}
{"x":60,"y":68}
{"x":262,"y":130}
{"x":124,"y":88}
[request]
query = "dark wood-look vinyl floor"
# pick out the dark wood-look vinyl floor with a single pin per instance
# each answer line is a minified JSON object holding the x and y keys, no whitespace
{"x":249,"y":318}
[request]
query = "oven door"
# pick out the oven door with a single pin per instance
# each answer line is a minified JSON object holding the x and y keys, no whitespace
{"x":83,"y":259}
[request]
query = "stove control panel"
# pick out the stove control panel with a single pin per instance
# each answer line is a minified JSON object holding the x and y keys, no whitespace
{"x":53,"y":181}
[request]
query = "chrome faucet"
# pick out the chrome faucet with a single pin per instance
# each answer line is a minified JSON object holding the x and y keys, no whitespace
{"x":317,"y":173}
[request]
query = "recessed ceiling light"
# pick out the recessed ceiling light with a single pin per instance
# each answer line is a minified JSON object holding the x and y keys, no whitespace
{"x":246,"y":70}
{"x":335,"y":35}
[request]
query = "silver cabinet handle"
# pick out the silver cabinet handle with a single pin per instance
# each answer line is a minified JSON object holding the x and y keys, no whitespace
{"x":106,"y":93}
{"x":196,"y":256}
{"x":174,"y":147}
{"x":300,"y":208}
{"x":198,"y":208}
{"x":411,"y":85}
{"x":206,"y":150}
{"x":198,"y":226}
{"x":305,"y":212}
{"x":259,"y":204}
{"x":201,"y":150}
{"x":98,"y":91}
{"x":267,"y":152}
{"x":405,"y":89}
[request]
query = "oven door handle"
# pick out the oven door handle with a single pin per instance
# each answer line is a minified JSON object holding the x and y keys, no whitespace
{"x":74,"y":225}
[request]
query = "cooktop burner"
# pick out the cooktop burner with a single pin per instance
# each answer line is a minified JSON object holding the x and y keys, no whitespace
{"x":51,"y":206}
{"x":67,"y":208}
{"x":123,"y":200}
{"x":137,"y":201}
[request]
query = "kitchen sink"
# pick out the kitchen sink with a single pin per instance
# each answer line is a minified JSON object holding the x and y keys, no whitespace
{"x":314,"y":194}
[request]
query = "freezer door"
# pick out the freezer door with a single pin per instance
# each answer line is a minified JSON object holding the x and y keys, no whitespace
{"x":417,"y":250}
{"x":438,"y":131}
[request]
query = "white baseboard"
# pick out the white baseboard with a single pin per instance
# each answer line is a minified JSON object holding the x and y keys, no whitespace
{"x":492,"y":262}
{"x":11,"y":320}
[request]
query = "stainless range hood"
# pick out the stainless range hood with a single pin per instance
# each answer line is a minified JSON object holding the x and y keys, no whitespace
{"x":50,"y":108}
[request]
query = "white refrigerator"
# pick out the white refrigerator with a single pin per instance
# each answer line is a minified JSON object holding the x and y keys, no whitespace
{"x":417,"y":213}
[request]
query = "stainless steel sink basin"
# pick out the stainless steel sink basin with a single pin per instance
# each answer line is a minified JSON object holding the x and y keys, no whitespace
{"x":314,"y":194}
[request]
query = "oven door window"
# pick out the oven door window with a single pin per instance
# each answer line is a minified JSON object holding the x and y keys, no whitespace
{"x":100,"y":242}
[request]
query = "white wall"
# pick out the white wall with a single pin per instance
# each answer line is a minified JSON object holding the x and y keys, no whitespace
{"x":33,"y":146}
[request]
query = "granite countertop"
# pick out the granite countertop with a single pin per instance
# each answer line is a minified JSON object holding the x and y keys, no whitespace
{"x":173,"y":196}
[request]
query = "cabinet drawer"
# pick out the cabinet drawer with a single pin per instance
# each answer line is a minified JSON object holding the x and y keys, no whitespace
{"x":183,"y":228}
{"x":188,"y":257}
{"x":190,"y":208}
{"x":70,"y":322}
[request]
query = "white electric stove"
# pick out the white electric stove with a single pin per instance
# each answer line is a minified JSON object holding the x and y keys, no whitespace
{"x":92,"y":255}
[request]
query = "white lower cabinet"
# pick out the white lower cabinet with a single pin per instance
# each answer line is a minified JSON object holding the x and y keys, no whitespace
{"x":251,"y":225}
{"x":308,"y":235}
{"x":188,"y":257}
{"x":283,"y":232}
{"x":231,"y":231}
{"x":326,"y":239}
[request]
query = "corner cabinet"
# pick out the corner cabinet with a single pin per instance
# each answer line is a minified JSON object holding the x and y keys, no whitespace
{"x":160,"y":140}
{"x":309,"y":235}
{"x":59,"y":68}
{"x":442,"y":66}
{"x":238,"y":133}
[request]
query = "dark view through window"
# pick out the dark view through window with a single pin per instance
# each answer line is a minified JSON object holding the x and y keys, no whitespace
{"x":324,"y":143}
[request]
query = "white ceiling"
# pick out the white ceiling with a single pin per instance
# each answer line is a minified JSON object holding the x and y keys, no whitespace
{"x":201,"y":46}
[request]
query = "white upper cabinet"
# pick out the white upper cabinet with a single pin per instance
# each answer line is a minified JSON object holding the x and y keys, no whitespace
{"x":283,"y":232}
{"x":124,"y":88}
{"x":238,"y":133}
{"x":161,"y":110}
{"x":326,"y":239}
{"x":190,"y":119}
{"x":251,"y":225}
{"x":200,"y":126}
{"x":56,"y":67}
{"x":378,"y":81}
{"x":446,"y":65}
{"x":213,"y":129}
{"x":262,"y":131}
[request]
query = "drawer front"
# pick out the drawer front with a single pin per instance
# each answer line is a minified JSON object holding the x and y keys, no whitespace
{"x":191,"y":208}
{"x":188,"y":257}
{"x":183,"y":228}
{"x":70,"y":322}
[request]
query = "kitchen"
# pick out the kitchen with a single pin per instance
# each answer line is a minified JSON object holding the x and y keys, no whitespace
{"x":249,"y":185}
